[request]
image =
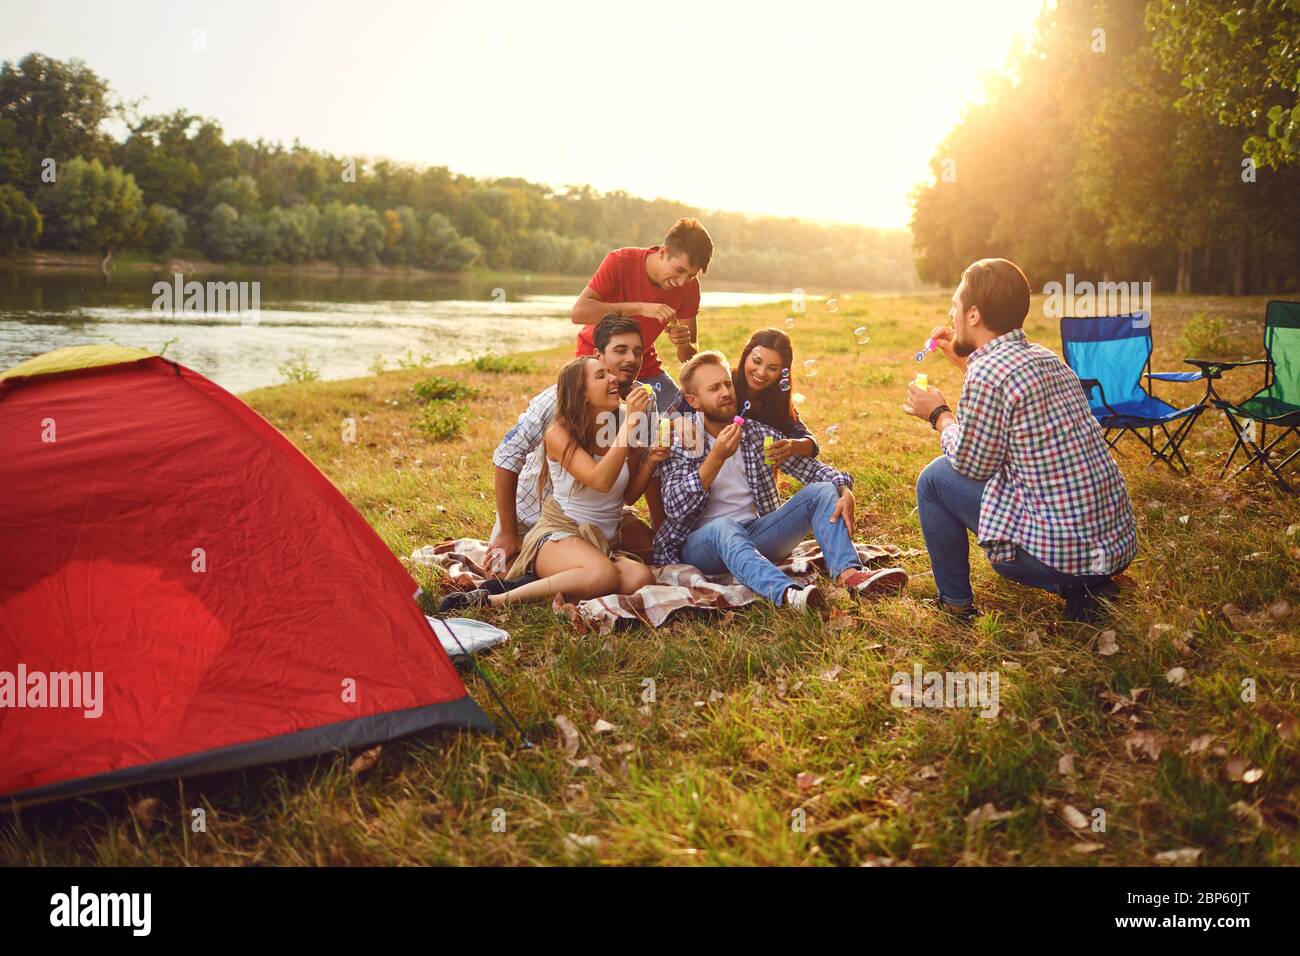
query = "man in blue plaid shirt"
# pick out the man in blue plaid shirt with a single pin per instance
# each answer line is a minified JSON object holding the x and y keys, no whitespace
{"x":1024,"y":466}
{"x":721,"y":510}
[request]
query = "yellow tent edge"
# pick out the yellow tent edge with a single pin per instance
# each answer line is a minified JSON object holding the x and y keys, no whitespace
{"x":76,"y":357}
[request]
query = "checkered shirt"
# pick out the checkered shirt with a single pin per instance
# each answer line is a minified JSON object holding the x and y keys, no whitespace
{"x":1023,"y":425}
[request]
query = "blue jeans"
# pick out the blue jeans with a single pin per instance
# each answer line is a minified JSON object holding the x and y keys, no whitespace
{"x":747,"y":549}
{"x":949,"y":505}
{"x":666,"y":391}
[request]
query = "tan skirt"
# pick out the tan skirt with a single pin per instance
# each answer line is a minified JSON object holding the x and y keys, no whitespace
{"x":553,"y":520}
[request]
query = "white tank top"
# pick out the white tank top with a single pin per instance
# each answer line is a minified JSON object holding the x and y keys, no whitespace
{"x":586,"y":505}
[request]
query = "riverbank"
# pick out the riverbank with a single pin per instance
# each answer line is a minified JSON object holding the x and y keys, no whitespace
{"x":772,"y":739}
{"x":134,"y":262}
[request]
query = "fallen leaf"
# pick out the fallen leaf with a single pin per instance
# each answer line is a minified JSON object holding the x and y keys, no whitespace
{"x":1248,"y":813}
{"x":1011,"y":665}
{"x":603,"y":727}
{"x":1106,"y":643}
{"x":1074,"y":817}
{"x":927,"y":773}
{"x":988,"y":813}
{"x":1236,"y":616}
{"x":575,"y":844}
{"x":367,"y":760}
{"x":1183,"y":644}
{"x":1200,"y":744}
{"x":1176,"y":675}
{"x":1143,"y":744}
{"x":1087,"y":847}
{"x":145,"y":811}
{"x":715,"y":696}
{"x":1236,"y":768}
{"x":807,"y":781}
{"x":1118,"y":703}
{"x":1279,"y":609}
{"x":1033,"y":639}
{"x":1065,"y":766}
{"x":1184,"y":857}
{"x":1183,"y":519}
{"x":831,"y":674}
{"x":1253,"y":775}
{"x":1157,"y":629}
{"x":570,"y":735}
{"x":1288,"y":728}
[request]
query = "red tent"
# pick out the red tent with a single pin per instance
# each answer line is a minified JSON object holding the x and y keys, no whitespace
{"x":183,"y":592}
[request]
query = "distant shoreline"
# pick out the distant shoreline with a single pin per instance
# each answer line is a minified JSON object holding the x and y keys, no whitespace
{"x":134,"y":263}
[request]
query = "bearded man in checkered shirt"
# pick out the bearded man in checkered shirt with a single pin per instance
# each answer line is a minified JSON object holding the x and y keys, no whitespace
{"x":1024,"y":463}
{"x":722,"y":512}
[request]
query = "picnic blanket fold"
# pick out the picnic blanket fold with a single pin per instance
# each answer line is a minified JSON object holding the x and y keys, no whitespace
{"x":463,"y":562}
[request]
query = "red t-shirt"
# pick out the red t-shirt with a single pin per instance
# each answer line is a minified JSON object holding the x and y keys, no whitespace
{"x":622,"y":278}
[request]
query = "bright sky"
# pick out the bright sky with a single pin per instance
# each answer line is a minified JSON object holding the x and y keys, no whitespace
{"x":822,"y":110}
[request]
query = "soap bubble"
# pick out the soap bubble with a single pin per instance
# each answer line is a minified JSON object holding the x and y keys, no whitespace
{"x":832,"y":434}
{"x":785,"y":380}
{"x":810,"y":368}
{"x":920,"y":356}
{"x":744,"y":410}
{"x":832,"y":305}
{"x":860,"y":335}
{"x":799,"y":398}
{"x":789,"y":321}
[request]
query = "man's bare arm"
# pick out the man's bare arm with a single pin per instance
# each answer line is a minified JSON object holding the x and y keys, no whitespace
{"x":589,"y":309}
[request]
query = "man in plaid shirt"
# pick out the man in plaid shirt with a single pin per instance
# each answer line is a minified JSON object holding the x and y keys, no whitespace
{"x":1024,"y":466}
{"x":721,"y":510}
{"x":518,"y":458}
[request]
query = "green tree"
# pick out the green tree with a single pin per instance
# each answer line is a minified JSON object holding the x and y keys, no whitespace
{"x":1240,"y":66}
{"x":164,"y":229}
{"x":56,"y":109}
{"x":90,"y":207}
{"x":20,"y":221}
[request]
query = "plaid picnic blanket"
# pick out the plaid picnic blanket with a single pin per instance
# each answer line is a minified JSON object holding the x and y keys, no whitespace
{"x":677,"y":586}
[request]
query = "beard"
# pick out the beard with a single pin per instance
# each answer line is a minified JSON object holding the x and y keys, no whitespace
{"x":961,"y":346}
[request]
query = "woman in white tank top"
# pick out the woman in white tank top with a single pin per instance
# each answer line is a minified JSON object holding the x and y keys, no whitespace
{"x":591,"y":473}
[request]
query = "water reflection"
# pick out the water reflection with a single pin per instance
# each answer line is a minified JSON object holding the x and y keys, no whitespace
{"x":343,"y":325}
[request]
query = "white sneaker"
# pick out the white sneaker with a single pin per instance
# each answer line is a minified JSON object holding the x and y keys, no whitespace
{"x":805,"y":598}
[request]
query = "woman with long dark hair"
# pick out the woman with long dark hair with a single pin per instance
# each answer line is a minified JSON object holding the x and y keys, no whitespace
{"x":762,"y":378}
{"x":592,"y":471}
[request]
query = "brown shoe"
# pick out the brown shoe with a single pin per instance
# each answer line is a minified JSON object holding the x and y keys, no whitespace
{"x":875,"y":584}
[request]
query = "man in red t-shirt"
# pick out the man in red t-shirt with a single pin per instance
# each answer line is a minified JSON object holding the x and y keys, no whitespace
{"x":657,"y":287}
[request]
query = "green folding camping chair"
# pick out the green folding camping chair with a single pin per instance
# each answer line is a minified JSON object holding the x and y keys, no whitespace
{"x":1277,"y":404}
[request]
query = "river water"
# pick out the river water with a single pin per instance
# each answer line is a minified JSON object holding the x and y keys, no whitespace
{"x":340,"y":325}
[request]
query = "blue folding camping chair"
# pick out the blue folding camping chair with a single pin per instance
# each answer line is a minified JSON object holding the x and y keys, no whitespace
{"x":1111,"y":355}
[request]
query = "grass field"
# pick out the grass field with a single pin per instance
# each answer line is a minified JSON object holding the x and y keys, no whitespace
{"x":772,"y":739}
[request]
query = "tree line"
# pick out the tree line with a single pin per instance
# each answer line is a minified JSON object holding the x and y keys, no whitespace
{"x":175,"y":186}
{"x":1130,"y":140}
